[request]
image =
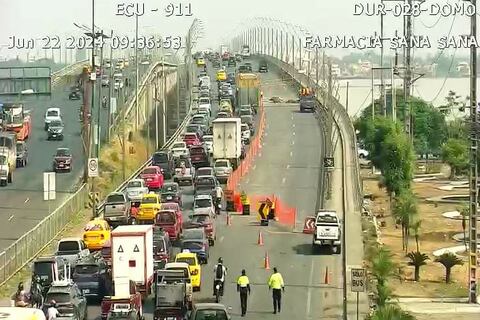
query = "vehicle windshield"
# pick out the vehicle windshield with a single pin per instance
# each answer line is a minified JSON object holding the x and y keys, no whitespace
{"x":165,"y":218}
{"x":43,"y":269}
{"x":134,"y":184}
{"x":59,"y":297}
{"x":326,"y":219}
{"x":202,"y":203}
{"x":192,"y":245}
{"x":245,"y":112}
{"x":149,"y":200}
{"x":52,"y":113}
{"x":193,"y":234}
{"x":68,"y":246}
{"x":198,"y":120}
{"x":221,"y":164}
{"x":63,"y":153}
{"x":86,"y":268}
{"x":245,"y":127}
{"x":189,"y":260}
{"x":205,"y":181}
{"x":204,"y":101}
{"x":160,"y":157}
{"x":208,"y":138}
{"x":196,"y":151}
{"x":158,"y":244}
{"x":178,"y":145}
{"x":186,"y":274}
{"x":173,"y":188}
{"x":116,"y":198}
{"x":202,"y":219}
{"x":210,"y":315}
{"x":149,"y":171}
{"x":190,"y":136}
{"x":95,"y":226}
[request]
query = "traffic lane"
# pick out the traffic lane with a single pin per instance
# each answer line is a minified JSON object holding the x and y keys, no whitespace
{"x":23,"y":199}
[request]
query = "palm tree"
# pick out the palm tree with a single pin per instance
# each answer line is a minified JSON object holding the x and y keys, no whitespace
{"x":465,"y":212}
{"x":391,"y":312}
{"x":449,"y":260}
{"x":415,"y":227}
{"x":383,"y":268}
{"x":404,"y":210}
{"x":417,"y":260}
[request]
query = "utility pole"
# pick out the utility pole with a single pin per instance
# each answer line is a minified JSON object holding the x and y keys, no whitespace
{"x":408,"y":76}
{"x":164,"y":102}
{"x":383,"y":89}
{"x":373,"y":95}
{"x":110,"y":91}
{"x":316,"y":69}
{"x":472,"y":297}
{"x":394,"y":93}
{"x":99,"y":84}
{"x":136,"y":74}
{"x":92,"y":101}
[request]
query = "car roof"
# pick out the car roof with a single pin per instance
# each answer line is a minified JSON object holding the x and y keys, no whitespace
{"x":186,"y":255}
{"x":53,"y":109}
{"x":176,"y":265}
{"x":203,"y":196}
{"x":170,"y":183}
{"x":209,"y":305}
{"x":69,"y":239}
{"x":191,"y":230}
{"x":205,"y":168}
{"x":63,"y":148}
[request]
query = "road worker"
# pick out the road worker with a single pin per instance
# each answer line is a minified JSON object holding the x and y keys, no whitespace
{"x":245,"y":203}
{"x":277,"y":285}
{"x":243,"y":286}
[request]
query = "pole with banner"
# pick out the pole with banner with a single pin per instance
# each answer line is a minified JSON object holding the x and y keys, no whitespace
{"x":93,"y":173}
{"x":358,"y":283}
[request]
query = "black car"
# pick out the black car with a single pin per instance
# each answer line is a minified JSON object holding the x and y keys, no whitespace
{"x":90,"y":276}
{"x":263,"y":67}
{"x":74,"y":95}
{"x":69,"y":299}
{"x":170,"y":192}
{"x":22,"y":154}
{"x":245,"y":68}
{"x":55,"y":130}
{"x":164,"y":160}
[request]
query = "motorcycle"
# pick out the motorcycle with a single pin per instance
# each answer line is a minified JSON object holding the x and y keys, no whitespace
{"x":218,"y":290}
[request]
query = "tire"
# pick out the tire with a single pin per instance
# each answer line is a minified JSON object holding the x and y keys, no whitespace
{"x":338,"y":249}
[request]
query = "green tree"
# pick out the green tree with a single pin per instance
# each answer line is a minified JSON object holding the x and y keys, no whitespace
{"x":455,"y":153}
{"x":465,"y":213}
{"x":391,"y":312}
{"x":449,"y":260}
{"x":405,"y":211}
{"x":457,"y":129}
{"x":415,"y":228}
{"x":417,"y":260}
{"x":383,"y":268}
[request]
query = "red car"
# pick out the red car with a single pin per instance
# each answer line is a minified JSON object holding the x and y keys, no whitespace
{"x":175,"y":207}
{"x":153,"y":177}
{"x":167,"y":219}
{"x":191,"y":139}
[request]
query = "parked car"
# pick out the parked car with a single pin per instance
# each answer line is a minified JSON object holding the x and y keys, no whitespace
{"x":22,"y":154}
{"x":62,"y":160}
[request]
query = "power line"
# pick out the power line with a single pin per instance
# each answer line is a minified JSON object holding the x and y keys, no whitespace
{"x":433,"y":25}
{"x":362,"y":104}
{"x":448,"y":36}
{"x":444,"y":80}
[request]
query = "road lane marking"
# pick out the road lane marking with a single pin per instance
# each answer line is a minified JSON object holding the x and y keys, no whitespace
{"x":293,"y":142}
{"x":293,"y":132}
{"x":293,"y":125}
{"x":254,"y":166}
{"x":284,"y":179}
{"x":309,"y":292}
{"x":222,"y":238}
{"x":288,"y":166}
{"x":11,"y":217}
{"x":291,"y":153}
{"x":26,"y":200}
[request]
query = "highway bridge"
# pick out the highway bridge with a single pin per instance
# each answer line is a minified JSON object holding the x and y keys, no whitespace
{"x":289,"y":165}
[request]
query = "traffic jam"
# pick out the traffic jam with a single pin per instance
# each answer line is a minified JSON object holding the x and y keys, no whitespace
{"x":154,"y":238}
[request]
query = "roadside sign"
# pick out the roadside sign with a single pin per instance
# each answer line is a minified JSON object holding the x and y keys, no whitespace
{"x":309,"y":225}
{"x":329,"y":162}
{"x":358,"y":279}
{"x":49,"y":192}
{"x":93,"y":167}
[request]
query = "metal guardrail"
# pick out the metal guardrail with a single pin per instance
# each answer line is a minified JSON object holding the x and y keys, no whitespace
{"x":25,"y":249}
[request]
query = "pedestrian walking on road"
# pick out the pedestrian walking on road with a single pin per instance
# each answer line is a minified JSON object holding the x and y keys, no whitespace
{"x":277,"y":285}
{"x":243,"y":286}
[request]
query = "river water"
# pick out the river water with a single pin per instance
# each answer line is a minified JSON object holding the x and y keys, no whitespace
{"x":433,"y":90}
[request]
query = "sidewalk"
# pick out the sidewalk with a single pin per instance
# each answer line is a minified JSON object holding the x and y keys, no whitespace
{"x":424,"y":308}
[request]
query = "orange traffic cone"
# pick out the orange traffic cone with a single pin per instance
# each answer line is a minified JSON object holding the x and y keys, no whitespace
{"x":266,"y":261}
{"x":327,"y":277}
{"x":260,"y":239}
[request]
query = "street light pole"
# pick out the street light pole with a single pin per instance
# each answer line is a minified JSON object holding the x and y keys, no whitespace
{"x":136,"y":73}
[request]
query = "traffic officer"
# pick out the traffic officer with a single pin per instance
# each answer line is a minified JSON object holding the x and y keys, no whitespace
{"x":243,"y":286}
{"x":277,"y":285}
{"x":245,"y":203}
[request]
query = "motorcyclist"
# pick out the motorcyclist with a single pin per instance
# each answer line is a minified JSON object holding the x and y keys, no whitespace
{"x":21,"y":297}
{"x":104,"y":101}
{"x":218,"y":200}
{"x":220,"y":273}
{"x":52,"y":311}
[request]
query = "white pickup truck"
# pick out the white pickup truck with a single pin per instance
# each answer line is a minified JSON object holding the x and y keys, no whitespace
{"x":327,"y":231}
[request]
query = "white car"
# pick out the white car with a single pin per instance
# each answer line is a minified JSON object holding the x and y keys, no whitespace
{"x":208,"y":141}
{"x":246,"y":133}
{"x":178,"y":152}
{"x":205,"y":103}
{"x":362,"y":153}
{"x":179,"y":144}
{"x":118,"y":84}
{"x":52,"y":114}
{"x":203,"y":201}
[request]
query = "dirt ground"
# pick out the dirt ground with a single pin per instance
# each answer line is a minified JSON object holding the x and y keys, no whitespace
{"x":436,"y":233}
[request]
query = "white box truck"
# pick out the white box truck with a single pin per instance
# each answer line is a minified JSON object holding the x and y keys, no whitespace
{"x":227,"y":140}
{"x":132,"y":255}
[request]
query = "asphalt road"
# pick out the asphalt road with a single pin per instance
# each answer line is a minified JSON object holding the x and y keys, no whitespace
{"x":21,"y":203}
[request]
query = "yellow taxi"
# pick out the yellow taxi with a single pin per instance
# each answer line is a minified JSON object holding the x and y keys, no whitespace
{"x":149,"y":206}
{"x":221,"y":75}
{"x":200,"y":62}
{"x":225,"y":106}
{"x":194,"y":266}
{"x":96,"y":233}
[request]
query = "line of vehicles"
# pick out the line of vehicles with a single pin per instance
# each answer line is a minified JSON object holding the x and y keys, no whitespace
{"x":142,"y":244}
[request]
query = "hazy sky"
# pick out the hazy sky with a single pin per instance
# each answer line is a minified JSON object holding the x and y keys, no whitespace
{"x":32,"y":18}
